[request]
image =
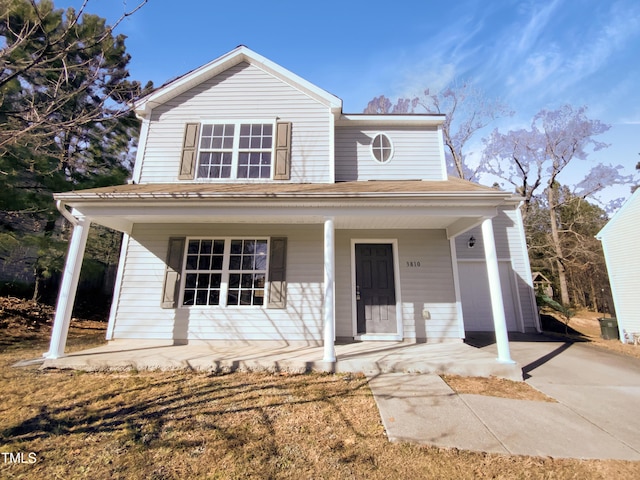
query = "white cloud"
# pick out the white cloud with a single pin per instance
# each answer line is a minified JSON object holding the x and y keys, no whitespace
{"x":535,"y":26}
{"x":539,"y":71}
{"x":428,"y":74}
{"x":530,"y":54}
{"x":435,"y":62}
{"x":553,"y":63}
{"x":622,"y":25}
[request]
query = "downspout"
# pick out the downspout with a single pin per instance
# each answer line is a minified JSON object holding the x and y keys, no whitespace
{"x":62,"y":208}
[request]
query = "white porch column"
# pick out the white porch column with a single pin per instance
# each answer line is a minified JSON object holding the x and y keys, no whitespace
{"x":68,"y":287}
{"x":329,"y":291}
{"x":495,"y":291}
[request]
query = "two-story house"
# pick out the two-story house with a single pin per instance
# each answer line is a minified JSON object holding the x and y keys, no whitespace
{"x":259,"y":211}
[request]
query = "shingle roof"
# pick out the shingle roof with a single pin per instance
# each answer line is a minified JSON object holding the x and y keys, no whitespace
{"x":382,"y":188}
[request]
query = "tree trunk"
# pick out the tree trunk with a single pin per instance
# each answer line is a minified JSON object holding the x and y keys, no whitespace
{"x":594,"y":296}
{"x":36,"y":286}
{"x":557,"y":247}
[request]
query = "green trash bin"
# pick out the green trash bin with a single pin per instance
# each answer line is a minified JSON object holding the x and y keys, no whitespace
{"x":609,"y":328}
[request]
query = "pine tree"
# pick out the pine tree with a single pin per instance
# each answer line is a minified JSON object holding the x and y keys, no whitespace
{"x":65,"y":117}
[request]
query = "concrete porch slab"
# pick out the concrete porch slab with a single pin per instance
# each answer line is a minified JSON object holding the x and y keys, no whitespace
{"x":362,"y":357}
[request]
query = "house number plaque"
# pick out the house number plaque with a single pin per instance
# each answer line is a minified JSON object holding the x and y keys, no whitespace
{"x":413,"y":263}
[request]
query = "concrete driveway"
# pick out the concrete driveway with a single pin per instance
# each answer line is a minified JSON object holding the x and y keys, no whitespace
{"x":596,"y":414}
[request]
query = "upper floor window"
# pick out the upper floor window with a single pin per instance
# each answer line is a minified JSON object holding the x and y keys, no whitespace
{"x":235,"y":150}
{"x":381,"y":148}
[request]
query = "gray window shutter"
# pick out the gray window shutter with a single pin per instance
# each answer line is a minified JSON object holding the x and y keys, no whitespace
{"x":171,"y":288}
{"x":189,"y":151}
{"x":282,"y":164}
{"x":278,"y":273}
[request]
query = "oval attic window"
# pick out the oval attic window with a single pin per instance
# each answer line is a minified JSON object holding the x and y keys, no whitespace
{"x":381,"y":148}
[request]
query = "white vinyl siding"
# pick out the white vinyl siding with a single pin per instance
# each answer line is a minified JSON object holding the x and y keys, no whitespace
{"x":618,"y":238}
{"x":139,"y":314}
{"x":428,"y":286}
{"x":509,"y":246}
{"x":244,"y":92}
{"x":476,"y":304}
{"x":416,"y":154}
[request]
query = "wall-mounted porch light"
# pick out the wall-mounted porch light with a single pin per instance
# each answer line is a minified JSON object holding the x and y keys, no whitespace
{"x":472,"y":242}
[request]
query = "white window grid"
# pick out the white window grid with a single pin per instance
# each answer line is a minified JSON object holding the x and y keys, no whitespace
{"x":236,"y":150}
{"x":216,"y":150}
{"x":235,"y":277}
{"x":381,"y":148}
{"x":255,"y":150}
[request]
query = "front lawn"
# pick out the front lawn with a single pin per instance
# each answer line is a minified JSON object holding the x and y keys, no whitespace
{"x":190,"y":425}
{"x":179,"y":425}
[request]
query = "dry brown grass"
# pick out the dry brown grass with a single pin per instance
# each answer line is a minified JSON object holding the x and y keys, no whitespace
{"x":495,"y":387}
{"x":177,"y":425}
{"x":24,"y":324}
{"x":588,"y":328}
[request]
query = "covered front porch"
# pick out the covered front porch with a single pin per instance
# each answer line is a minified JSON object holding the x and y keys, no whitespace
{"x":450,"y":208}
{"x":370,"y":358}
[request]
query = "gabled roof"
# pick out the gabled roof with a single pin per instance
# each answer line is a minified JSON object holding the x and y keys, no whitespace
{"x":539,"y":277}
{"x":240,"y":54}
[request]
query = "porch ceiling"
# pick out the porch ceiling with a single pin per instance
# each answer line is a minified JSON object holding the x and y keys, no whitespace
{"x":454,"y":219}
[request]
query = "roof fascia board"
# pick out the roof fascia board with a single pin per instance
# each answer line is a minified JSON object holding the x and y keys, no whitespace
{"x":70,"y":197}
{"x":124,"y":212}
{"x":240,"y":54}
{"x":377,"y":120}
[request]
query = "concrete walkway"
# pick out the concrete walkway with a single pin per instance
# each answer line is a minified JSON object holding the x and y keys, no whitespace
{"x":596,"y":414}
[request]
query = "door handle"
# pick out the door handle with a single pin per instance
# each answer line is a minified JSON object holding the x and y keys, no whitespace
{"x":357,"y":292}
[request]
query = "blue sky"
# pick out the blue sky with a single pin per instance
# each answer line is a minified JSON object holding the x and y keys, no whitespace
{"x":530,"y":54}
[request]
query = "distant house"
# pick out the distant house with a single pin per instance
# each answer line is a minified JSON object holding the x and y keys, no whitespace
{"x":618,"y":238}
{"x":259,"y":211}
{"x":542,"y":284}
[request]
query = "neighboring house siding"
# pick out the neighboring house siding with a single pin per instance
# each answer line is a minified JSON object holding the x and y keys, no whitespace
{"x":429,"y":286}
{"x":243,"y":92}
{"x":509,"y":238}
{"x":139,"y":314}
{"x":623,"y":263}
{"x":416,"y":154}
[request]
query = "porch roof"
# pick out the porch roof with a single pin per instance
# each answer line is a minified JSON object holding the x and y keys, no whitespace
{"x":455,"y":205}
{"x":453,"y":187}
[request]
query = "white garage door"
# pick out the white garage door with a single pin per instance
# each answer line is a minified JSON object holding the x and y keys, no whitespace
{"x":476,"y":301}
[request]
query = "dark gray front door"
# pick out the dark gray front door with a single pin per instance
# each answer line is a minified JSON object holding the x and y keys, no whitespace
{"x":375,"y":288}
